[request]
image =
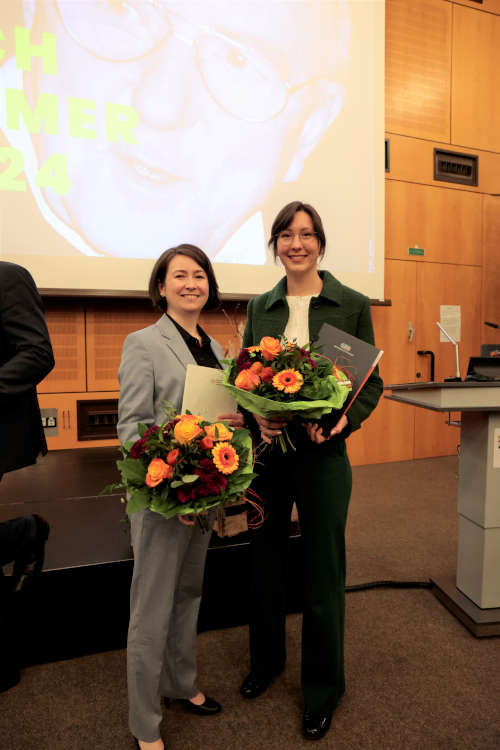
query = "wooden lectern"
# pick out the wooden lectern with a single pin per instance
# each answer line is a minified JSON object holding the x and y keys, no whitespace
{"x":474,"y":597}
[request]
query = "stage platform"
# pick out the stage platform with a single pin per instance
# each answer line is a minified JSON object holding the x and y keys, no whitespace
{"x":79,"y":604}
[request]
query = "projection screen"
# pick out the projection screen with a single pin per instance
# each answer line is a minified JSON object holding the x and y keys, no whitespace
{"x":130,"y":126}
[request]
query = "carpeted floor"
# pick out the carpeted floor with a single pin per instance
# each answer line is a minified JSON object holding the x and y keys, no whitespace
{"x":416,"y":678}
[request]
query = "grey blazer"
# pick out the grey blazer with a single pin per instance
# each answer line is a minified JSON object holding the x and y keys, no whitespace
{"x":152,"y":370}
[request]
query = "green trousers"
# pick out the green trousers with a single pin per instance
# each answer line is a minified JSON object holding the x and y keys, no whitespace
{"x":318,"y":478}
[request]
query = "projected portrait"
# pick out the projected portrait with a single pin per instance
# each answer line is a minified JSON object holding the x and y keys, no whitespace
{"x":141,"y":124}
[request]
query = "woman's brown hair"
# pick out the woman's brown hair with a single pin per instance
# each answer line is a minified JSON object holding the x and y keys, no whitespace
{"x":285,"y":218}
{"x":160,"y":269}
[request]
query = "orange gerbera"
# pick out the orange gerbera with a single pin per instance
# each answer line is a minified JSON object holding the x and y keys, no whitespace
{"x":225,"y":458}
{"x":288,"y":380}
{"x":255,"y":348}
{"x":218,"y":431}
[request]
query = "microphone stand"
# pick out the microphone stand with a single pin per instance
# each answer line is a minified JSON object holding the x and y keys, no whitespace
{"x":457,"y":377}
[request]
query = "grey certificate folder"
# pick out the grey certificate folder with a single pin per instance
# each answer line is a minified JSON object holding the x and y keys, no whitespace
{"x":356,"y":358}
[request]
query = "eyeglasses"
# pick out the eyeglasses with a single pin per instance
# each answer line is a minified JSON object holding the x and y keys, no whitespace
{"x":239,"y":78}
{"x":285,"y":238}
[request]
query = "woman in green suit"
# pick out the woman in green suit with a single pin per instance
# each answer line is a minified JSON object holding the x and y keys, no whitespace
{"x":317,"y":476}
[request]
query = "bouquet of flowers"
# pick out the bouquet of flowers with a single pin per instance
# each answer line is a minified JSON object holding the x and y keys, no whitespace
{"x":185,"y":466}
{"x":278,"y":378}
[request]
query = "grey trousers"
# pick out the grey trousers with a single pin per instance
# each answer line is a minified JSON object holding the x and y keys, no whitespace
{"x":169,"y":560}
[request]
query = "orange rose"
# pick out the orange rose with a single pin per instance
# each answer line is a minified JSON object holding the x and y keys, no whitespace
{"x":172,"y":456}
{"x":206,"y":443}
{"x":189,"y":417}
{"x":158,"y":470}
{"x":186,"y":430}
{"x":267,"y":374}
{"x":218,"y":431}
{"x":257,"y":367}
{"x":247,"y":380}
{"x":270,"y":347}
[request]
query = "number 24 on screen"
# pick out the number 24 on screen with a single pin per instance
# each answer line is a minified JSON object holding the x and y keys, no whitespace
{"x":52,"y":174}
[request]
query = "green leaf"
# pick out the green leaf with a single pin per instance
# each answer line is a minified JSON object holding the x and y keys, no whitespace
{"x":112,"y":487}
{"x":189,"y":478}
{"x":138,"y":500}
{"x":132,"y":470}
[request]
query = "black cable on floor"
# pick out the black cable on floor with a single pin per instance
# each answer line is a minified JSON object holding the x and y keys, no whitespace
{"x":390,"y":585}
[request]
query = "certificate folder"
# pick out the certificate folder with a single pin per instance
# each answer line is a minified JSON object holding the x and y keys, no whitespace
{"x":204,"y":393}
{"x":356,"y":358}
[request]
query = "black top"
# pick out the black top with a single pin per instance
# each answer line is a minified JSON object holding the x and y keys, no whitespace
{"x":202,"y":353}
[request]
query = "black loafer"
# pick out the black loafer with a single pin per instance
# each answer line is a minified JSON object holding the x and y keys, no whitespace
{"x":30,"y":560}
{"x":253,"y":686}
{"x":315,"y":726}
{"x":208,"y":708}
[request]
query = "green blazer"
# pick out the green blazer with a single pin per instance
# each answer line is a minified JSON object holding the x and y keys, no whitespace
{"x":342,"y":307}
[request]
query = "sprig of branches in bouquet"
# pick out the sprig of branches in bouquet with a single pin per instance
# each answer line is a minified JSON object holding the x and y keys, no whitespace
{"x":185,"y":466}
{"x":279,"y":379}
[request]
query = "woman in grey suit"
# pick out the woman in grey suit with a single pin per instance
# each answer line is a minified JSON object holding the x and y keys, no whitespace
{"x":169,"y":556}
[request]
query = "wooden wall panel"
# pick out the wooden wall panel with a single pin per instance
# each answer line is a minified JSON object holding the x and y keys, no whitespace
{"x":412,"y":160}
{"x":445,"y":223}
{"x":387,"y":435}
{"x":489,"y":6}
{"x":418,"y":61}
{"x":491,"y":269}
{"x":444,"y":285}
{"x":66,"y":324}
{"x":476,"y":79}
{"x":108,"y":324}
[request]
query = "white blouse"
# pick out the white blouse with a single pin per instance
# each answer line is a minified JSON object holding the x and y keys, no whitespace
{"x":297,"y":327}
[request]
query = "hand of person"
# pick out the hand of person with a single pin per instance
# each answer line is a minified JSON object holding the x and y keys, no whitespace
{"x":315,"y":431}
{"x":269,"y":428}
{"x":234,"y":419}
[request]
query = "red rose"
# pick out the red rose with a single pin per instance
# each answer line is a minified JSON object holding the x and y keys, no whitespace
{"x":267,"y":374}
{"x":151,"y":431}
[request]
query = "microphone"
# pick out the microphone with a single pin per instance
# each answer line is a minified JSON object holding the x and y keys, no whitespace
{"x":492,"y":325}
{"x":457,"y":376}
{"x":315,"y":303}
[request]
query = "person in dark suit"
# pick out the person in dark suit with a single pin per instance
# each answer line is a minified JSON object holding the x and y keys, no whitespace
{"x":317,"y":475}
{"x":169,"y":557}
{"x":25,"y":359}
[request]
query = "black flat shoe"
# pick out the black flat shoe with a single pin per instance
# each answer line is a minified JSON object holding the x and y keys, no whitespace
{"x":30,"y":560}
{"x":208,"y":708}
{"x":315,"y":726}
{"x":253,"y":686}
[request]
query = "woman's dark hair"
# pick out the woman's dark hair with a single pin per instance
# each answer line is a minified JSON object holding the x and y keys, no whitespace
{"x":160,"y":271}
{"x":285,"y":218}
